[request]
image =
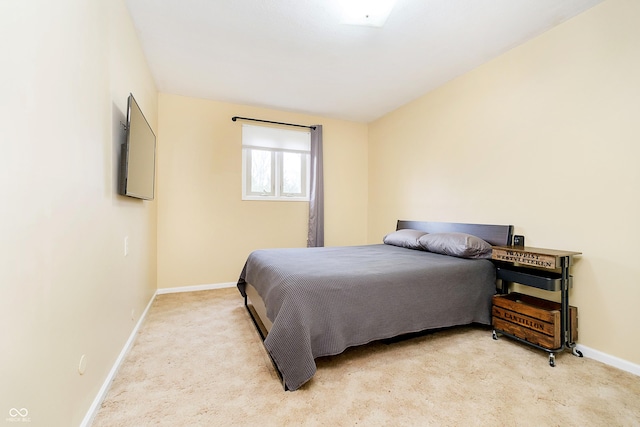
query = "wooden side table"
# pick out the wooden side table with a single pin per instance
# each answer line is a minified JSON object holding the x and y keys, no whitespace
{"x":542,"y":268}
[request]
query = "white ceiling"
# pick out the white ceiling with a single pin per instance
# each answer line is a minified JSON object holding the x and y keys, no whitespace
{"x":295,"y":55}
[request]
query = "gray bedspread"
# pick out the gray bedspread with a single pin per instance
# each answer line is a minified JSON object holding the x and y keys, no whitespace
{"x":324,"y":300}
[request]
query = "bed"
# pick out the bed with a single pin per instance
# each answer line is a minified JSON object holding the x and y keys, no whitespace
{"x":313,"y":302}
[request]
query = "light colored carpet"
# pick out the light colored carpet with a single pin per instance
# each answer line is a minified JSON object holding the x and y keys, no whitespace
{"x":198,"y":361}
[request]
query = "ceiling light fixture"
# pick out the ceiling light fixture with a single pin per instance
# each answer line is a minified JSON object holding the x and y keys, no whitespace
{"x":372,"y":13}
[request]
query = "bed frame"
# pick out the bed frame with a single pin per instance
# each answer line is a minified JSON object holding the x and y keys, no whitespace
{"x":496,"y":235}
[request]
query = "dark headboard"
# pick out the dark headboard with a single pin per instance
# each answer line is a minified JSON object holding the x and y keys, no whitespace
{"x":497,"y":235}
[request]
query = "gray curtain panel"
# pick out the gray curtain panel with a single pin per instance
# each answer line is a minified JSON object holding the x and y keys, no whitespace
{"x":316,"y":200}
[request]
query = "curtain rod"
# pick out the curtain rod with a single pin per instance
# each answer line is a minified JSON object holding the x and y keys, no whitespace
{"x":234,"y":118}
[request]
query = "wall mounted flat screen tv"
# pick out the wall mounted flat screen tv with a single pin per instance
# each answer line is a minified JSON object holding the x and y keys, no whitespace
{"x":138,"y":155}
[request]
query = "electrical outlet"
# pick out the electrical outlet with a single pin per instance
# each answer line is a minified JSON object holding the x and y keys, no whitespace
{"x":82,"y":366}
{"x":126,"y":245}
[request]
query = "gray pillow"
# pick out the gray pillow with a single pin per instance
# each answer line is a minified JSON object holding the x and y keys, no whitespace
{"x":456,"y":244}
{"x":406,"y":238}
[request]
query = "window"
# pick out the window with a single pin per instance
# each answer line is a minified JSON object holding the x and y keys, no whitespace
{"x":275,"y":163}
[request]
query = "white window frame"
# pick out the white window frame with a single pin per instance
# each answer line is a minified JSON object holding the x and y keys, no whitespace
{"x":277,"y":141}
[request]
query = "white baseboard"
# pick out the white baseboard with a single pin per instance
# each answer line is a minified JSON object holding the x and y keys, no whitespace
{"x":607,"y":359}
{"x":195,"y":288}
{"x":102,"y":393}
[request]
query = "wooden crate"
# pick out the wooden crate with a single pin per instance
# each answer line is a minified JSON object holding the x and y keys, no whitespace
{"x":532,"y":319}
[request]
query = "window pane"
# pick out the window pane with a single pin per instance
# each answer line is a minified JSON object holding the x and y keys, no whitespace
{"x":291,"y":173}
{"x":261,"y":171}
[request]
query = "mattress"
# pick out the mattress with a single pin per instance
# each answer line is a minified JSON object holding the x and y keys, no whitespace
{"x":324,"y":300}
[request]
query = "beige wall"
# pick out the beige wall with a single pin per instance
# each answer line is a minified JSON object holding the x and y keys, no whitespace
{"x":205,"y":230}
{"x":66,"y":288}
{"x":546,"y":138}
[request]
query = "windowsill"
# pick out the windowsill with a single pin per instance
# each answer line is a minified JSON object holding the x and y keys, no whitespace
{"x":274,"y":199}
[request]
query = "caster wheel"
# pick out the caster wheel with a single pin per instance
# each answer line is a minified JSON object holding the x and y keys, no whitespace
{"x":552,"y":360}
{"x":495,"y":335}
{"x":577,"y":352}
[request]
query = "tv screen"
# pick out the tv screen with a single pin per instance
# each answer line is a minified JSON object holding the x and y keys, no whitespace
{"x":138,"y":155}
